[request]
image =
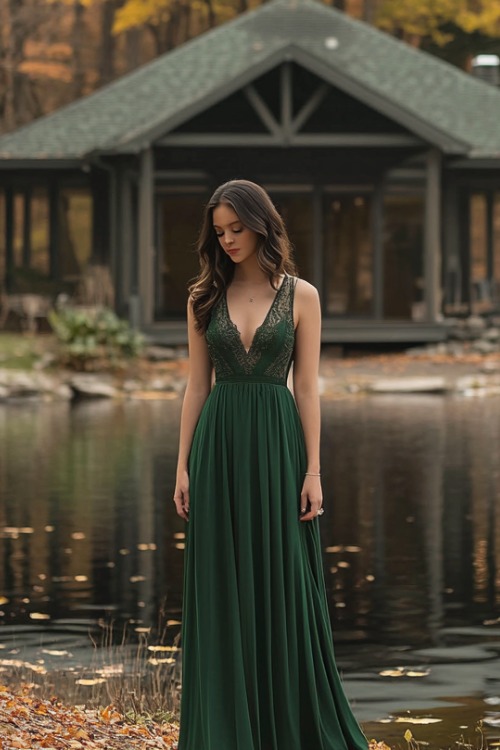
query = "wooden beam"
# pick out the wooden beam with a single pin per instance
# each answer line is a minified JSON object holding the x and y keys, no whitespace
{"x":309,"y":107}
{"x":262,"y":111}
{"x":145,"y":239}
{"x":319,"y":140}
{"x":221,"y":139}
{"x":355,"y":140}
{"x":432,"y":236}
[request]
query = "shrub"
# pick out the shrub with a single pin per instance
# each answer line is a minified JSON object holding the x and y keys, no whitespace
{"x":88,"y":335}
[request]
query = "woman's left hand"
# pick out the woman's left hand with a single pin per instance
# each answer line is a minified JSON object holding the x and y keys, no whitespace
{"x":311,"y":498}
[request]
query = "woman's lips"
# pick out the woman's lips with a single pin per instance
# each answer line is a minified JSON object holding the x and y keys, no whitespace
{"x":232,"y":250}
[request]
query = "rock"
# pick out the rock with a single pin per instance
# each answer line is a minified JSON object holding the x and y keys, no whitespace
{"x":160,"y":384}
{"x":484,"y":347}
{"x":489,"y":367}
{"x":62,"y":392}
{"x":4,"y":393}
{"x":468,"y":382}
{"x":91,"y":386}
{"x":417,"y":351}
{"x":492,"y":334}
{"x":476,"y":323}
{"x":409,"y":385}
{"x":129,"y":386}
{"x":160,"y":353}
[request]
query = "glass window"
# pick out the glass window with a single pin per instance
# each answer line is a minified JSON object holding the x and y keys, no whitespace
{"x":179,"y":219}
{"x":403,"y":257}
{"x":348,"y":255}
{"x":75,"y":231}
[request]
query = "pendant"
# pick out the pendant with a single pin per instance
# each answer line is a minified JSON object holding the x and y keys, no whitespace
{"x":251,"y":299}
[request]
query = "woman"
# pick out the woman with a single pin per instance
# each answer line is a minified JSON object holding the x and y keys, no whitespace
{"x":258,"y":663}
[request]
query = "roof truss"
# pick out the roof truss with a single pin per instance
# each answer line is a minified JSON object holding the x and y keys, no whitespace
{"x":285,"y":127}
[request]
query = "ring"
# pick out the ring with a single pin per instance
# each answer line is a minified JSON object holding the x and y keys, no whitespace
{"x":320,"y":512}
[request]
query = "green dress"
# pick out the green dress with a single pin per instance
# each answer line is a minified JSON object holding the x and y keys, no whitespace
{"x":258,"y":665}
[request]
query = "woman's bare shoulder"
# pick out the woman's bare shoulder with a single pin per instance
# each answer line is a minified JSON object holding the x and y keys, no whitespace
{"x":304,"y":291}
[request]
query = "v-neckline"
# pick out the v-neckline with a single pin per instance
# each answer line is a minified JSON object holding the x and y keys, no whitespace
{"x":237,"y":330}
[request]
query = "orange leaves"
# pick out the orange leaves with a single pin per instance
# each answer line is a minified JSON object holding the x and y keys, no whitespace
{"x":51,"y":725}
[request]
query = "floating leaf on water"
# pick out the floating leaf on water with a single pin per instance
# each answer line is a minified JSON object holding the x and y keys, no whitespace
{"x":137,"y":579}
{"x":163,"y":648}
{"x":173,"y":622}
{"x":180,"y":545}
{"x":352,"y":548}
{"x":418,"y":673}
{"x":180,"y":535}
{"x":94,"y":681}
{"x":78,"y":535}
{"x":39,"y":616}
{"x":492,"y":721}
{"x":343,"y":564}
{"x":334,"y":569}
{"x":53,"y":652}
{"x":416,"y":720}
{"x":111,"y":669}
{"x":155,"y":661}
{"x":143,"y":547}
{"x":3,"y":600}
{"x":408,"y":735}
{"x":392,"y":673}
{"x":49,"y":528}
{"x":336,"y":548}
{"x":81,"y":579}
{"x":142,"y":630}
{"x":494,"y":700}
{"x":370,"y":578}
{"x":124,"y":551}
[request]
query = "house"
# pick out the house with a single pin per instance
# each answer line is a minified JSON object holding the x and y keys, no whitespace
{"x":383,"y":160}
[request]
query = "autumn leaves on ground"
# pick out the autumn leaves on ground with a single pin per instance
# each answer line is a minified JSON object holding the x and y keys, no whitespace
{"x":29,"y":723}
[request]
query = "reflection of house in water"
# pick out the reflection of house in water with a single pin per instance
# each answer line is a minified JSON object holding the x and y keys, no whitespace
{"x":85,"y":509}
{"x":414,"y":485}
{"x":381,"y":159}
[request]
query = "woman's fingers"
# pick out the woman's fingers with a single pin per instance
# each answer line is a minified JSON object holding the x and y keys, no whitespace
{"x":310,"y":507}
{"x":181,"y":500}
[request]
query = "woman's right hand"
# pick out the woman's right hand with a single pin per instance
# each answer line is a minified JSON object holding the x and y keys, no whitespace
{"x":181,"y":495}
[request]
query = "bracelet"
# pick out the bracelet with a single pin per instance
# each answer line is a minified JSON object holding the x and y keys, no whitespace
{"x":311,"y":474}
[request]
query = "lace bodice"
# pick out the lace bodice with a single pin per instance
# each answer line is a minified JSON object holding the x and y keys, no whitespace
{"x":271,"y":352}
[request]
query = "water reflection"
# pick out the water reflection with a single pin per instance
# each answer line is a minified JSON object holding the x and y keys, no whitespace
{"x":411,"y":529}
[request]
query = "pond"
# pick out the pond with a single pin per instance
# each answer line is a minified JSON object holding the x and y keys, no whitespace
{"x":411,"y":535}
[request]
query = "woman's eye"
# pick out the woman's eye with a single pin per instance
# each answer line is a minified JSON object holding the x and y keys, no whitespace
{"x":237,"y":231}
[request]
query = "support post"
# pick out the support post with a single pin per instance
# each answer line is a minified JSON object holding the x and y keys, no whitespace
{"x":432,"y":236}
{"x":27,"y":228}
{"x":54,"y":230}
{"x":318,"y":242}
{"x":146,"y":236}
{"x":9,"y":238}
{"x":378,"y":250}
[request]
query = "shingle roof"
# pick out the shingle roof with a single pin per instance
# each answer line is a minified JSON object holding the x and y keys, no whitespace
{"x":444,"y":105}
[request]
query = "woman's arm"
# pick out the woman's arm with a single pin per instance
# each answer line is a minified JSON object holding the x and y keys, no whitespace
{"x":197,"y":390}
{"x":305,"y":386}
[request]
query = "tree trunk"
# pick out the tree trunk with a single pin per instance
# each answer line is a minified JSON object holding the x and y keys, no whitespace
{"x":77,"y":37}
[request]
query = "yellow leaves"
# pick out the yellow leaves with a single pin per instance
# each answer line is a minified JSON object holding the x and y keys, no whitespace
{"x":426,"y":18}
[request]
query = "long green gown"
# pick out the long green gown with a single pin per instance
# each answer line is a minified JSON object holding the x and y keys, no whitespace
{"x":258,"y":665}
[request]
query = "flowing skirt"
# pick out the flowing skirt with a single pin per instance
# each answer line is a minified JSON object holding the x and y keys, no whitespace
{"x":258,"y":667}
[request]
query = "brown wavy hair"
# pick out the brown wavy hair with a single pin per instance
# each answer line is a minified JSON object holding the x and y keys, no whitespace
{"x":257,"y":212}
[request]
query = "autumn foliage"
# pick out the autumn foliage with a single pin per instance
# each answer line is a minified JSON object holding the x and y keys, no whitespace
{"x":54,"y":51}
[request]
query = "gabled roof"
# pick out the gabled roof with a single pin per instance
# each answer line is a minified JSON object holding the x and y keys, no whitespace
{"x":445,"y":106}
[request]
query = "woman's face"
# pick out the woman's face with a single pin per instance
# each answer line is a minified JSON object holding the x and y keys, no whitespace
{"x":237,"y":240}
